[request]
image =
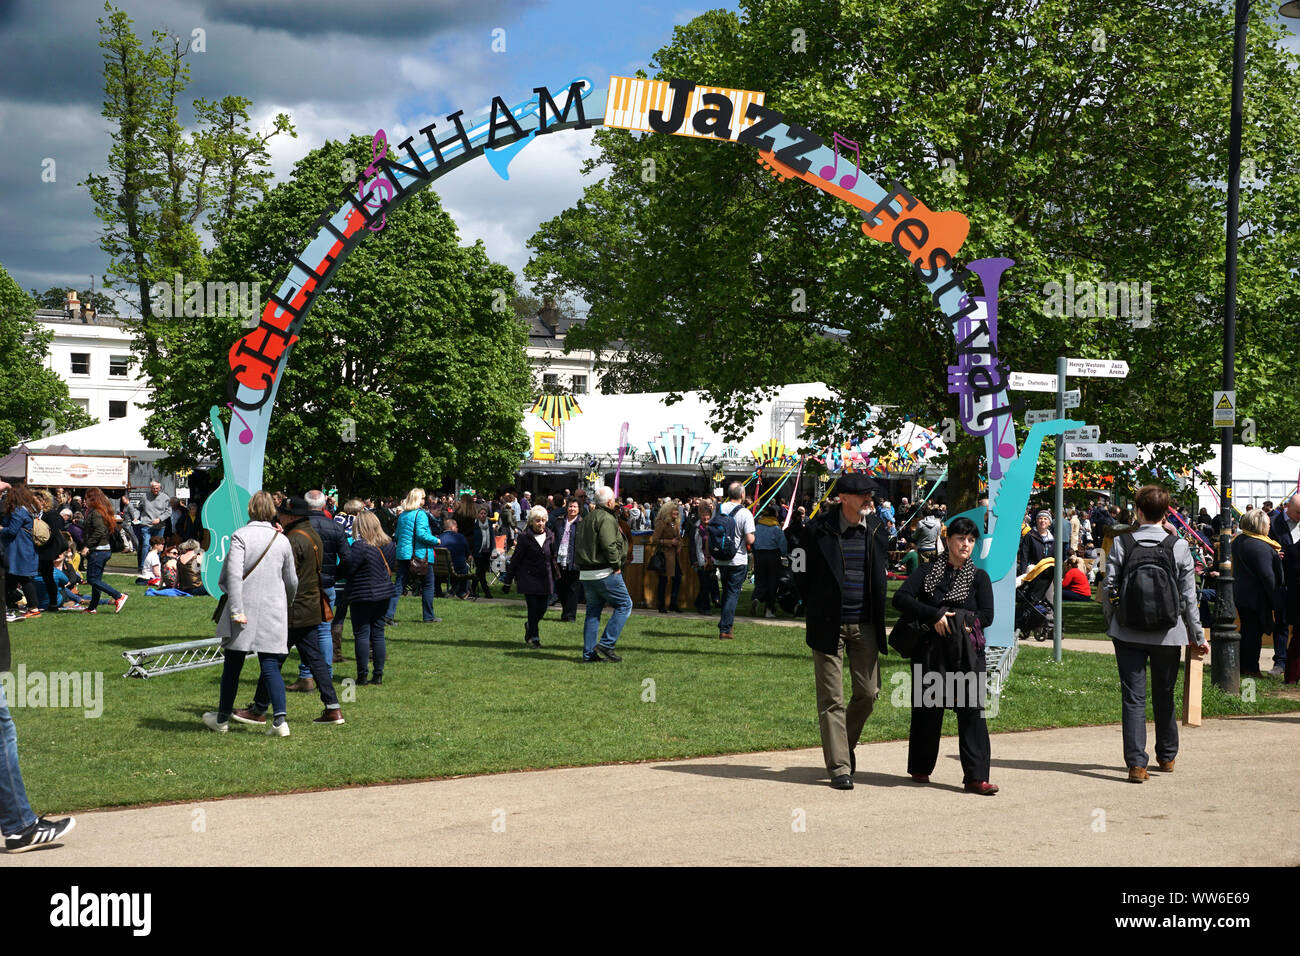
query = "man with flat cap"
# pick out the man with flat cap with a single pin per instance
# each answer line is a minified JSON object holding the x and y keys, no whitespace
{"x":845,"y":554}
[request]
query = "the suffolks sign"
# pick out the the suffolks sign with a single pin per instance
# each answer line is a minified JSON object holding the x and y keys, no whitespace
{"x":78,"y":471}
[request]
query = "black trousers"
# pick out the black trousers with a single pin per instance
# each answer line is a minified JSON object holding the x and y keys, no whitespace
{"x":567,"y":588}
{"x":707,"y":595}
{"x":1252,"y":641}
{"x":767,"y":571}
{"x":308,"y":644}
{"x":537,"y":604}
{"x":972,"y":737}
{"x":46,"y":567}
{"x":482,"y":564}
{"x":28,"y":587}
{"x":663,"y":586}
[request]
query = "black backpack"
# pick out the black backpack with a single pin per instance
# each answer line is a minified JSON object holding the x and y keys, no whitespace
{"x":721,"y":532}
{"x":1148,"y":585}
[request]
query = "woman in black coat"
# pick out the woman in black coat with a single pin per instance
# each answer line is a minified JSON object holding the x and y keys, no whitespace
{"x":946,"y":599}
{"x":1257,"y":565}
{"x":532,"y":567}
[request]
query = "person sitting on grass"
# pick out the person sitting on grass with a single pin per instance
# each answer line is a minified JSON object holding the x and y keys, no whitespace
{"x":189,"y":568}
{"x":1074,"y":583}
{"x":151,"y":570}
{"x":68,"y":598}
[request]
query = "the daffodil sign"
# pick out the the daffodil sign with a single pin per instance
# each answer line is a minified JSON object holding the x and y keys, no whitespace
{"x":928,"y":240}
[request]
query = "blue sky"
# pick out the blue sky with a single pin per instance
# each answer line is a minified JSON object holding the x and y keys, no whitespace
{"x":338,"y":68}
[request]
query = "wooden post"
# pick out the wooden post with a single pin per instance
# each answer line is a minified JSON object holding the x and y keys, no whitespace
{"x":1192,"y":675}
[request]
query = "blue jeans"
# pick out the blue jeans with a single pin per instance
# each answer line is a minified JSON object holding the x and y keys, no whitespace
{"x":95,"y":578}
{"x":612,"y":591}
{"x":15,"y":812}
{"x":367,"y":633}
{"x":733,"y":579}
{"x":426,"y":593}
{"x":324,"y":639}
{"x":234,"y":663}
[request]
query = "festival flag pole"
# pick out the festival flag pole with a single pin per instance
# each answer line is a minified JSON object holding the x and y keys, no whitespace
{"x":622,"y":447}
{"x":789,"y":512}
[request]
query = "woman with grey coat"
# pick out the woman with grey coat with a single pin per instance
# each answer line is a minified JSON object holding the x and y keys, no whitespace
{"x":259,"y":582}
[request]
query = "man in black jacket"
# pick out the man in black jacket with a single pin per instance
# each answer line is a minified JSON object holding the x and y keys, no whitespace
{"x":1285,"y":530}
{"x":22,"y":829}
{"x":844,"y":552}
{"x":334,"y":549}
{"x":565,"y":529}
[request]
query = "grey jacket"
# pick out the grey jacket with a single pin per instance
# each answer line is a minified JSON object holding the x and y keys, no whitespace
{"x":156,"y":508}
{"x":1187,"y":628}
{"x":264,"y":596}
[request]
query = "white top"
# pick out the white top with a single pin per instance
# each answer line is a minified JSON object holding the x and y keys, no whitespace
{"x":744,"y":526}
{"x":152,"y":565}
{"x":540,"y":538}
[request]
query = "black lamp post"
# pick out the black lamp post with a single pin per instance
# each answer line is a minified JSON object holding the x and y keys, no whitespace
{"x":1225,"y":663}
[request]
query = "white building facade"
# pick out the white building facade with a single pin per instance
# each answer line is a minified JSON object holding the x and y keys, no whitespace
{"x":92,"y":354}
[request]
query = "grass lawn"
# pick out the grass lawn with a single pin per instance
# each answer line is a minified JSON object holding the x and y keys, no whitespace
{"x":465,"y":696}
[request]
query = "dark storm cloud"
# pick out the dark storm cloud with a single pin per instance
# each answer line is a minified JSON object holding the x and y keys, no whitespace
{"x":398,"y":18}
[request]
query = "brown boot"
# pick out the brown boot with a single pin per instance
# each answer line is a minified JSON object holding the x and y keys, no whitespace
{"x":1137,"y":774}
{"x":1166,"y":766}
{"x":725,"y":636}
{"x":302,"y":685}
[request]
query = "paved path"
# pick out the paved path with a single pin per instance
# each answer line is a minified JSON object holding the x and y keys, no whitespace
{"x":1064,"y":800}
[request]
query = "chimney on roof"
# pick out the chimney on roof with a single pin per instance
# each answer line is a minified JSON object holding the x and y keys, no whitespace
{"x":550,"y":316}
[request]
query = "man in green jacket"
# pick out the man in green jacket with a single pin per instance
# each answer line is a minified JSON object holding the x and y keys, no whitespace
{"x":602,"y":551}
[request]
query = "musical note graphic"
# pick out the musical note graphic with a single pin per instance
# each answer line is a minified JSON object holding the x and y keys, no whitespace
{"x":828,"y":172}
{"x":379,"y":150}
{"x":247,"y":434}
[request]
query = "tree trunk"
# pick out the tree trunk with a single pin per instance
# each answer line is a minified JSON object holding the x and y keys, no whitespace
{"x":964,"y":473}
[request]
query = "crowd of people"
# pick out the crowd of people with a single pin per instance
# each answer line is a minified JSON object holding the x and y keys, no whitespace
{"x":302,"y":565}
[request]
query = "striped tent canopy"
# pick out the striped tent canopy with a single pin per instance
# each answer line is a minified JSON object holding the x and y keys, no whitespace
{"x":554,"y":409}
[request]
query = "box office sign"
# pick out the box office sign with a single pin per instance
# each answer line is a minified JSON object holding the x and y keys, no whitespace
{"x":80,"y":471}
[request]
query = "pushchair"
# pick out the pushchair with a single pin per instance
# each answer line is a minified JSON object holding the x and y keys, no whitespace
{"x":1034,"y":611}
{"x":789,"y":597}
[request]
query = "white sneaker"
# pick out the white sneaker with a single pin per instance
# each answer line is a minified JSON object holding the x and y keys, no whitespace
{"x":210,"y":721}
{"x":277,"y":730}
{"x":770,"y":616}
{"x":1277,"y":672}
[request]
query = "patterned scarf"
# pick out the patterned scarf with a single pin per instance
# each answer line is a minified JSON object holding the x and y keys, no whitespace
{"x":959,"y":584}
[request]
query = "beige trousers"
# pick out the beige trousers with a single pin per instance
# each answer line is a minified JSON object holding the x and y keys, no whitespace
{"x":840,"y":726}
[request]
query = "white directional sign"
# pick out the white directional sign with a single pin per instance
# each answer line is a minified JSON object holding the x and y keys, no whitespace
{"x":1036,"y":415}
{"x":1097,"y":368}
{"x":1100,"y":452}
{"x":1087,"y":433}
{"x":1032,"y":382}
{"x":1072,"y":398}
{"x":1225,"y":409}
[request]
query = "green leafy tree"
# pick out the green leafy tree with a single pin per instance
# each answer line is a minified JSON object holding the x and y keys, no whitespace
{"x":34,"y":401}
{"x":163,"y":179}
{"x":1080,"y":137}
{"x":405,"y":373}
{"x":55,"y":297}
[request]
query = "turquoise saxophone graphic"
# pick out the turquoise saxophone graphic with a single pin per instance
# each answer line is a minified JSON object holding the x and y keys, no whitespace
{"x":1008,"y":506}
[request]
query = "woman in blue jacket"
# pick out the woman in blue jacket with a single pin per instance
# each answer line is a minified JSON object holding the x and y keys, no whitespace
{"x":415,"y":539}
{"x":20,"y":543}
{"x":368,"y":568}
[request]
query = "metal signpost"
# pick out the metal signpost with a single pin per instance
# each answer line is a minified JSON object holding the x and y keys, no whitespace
{"x":1078,"y":444}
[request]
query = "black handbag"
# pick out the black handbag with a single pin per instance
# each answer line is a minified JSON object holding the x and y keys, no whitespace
{"x":908,"y":637}
{"x":658,"y":563}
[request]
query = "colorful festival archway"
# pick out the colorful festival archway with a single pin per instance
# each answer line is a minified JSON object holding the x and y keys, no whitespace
{"x":928,"y":240}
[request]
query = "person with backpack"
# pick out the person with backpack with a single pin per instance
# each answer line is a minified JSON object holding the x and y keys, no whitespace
{"x":730,"y":535}
{"x":1149,"y":601}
